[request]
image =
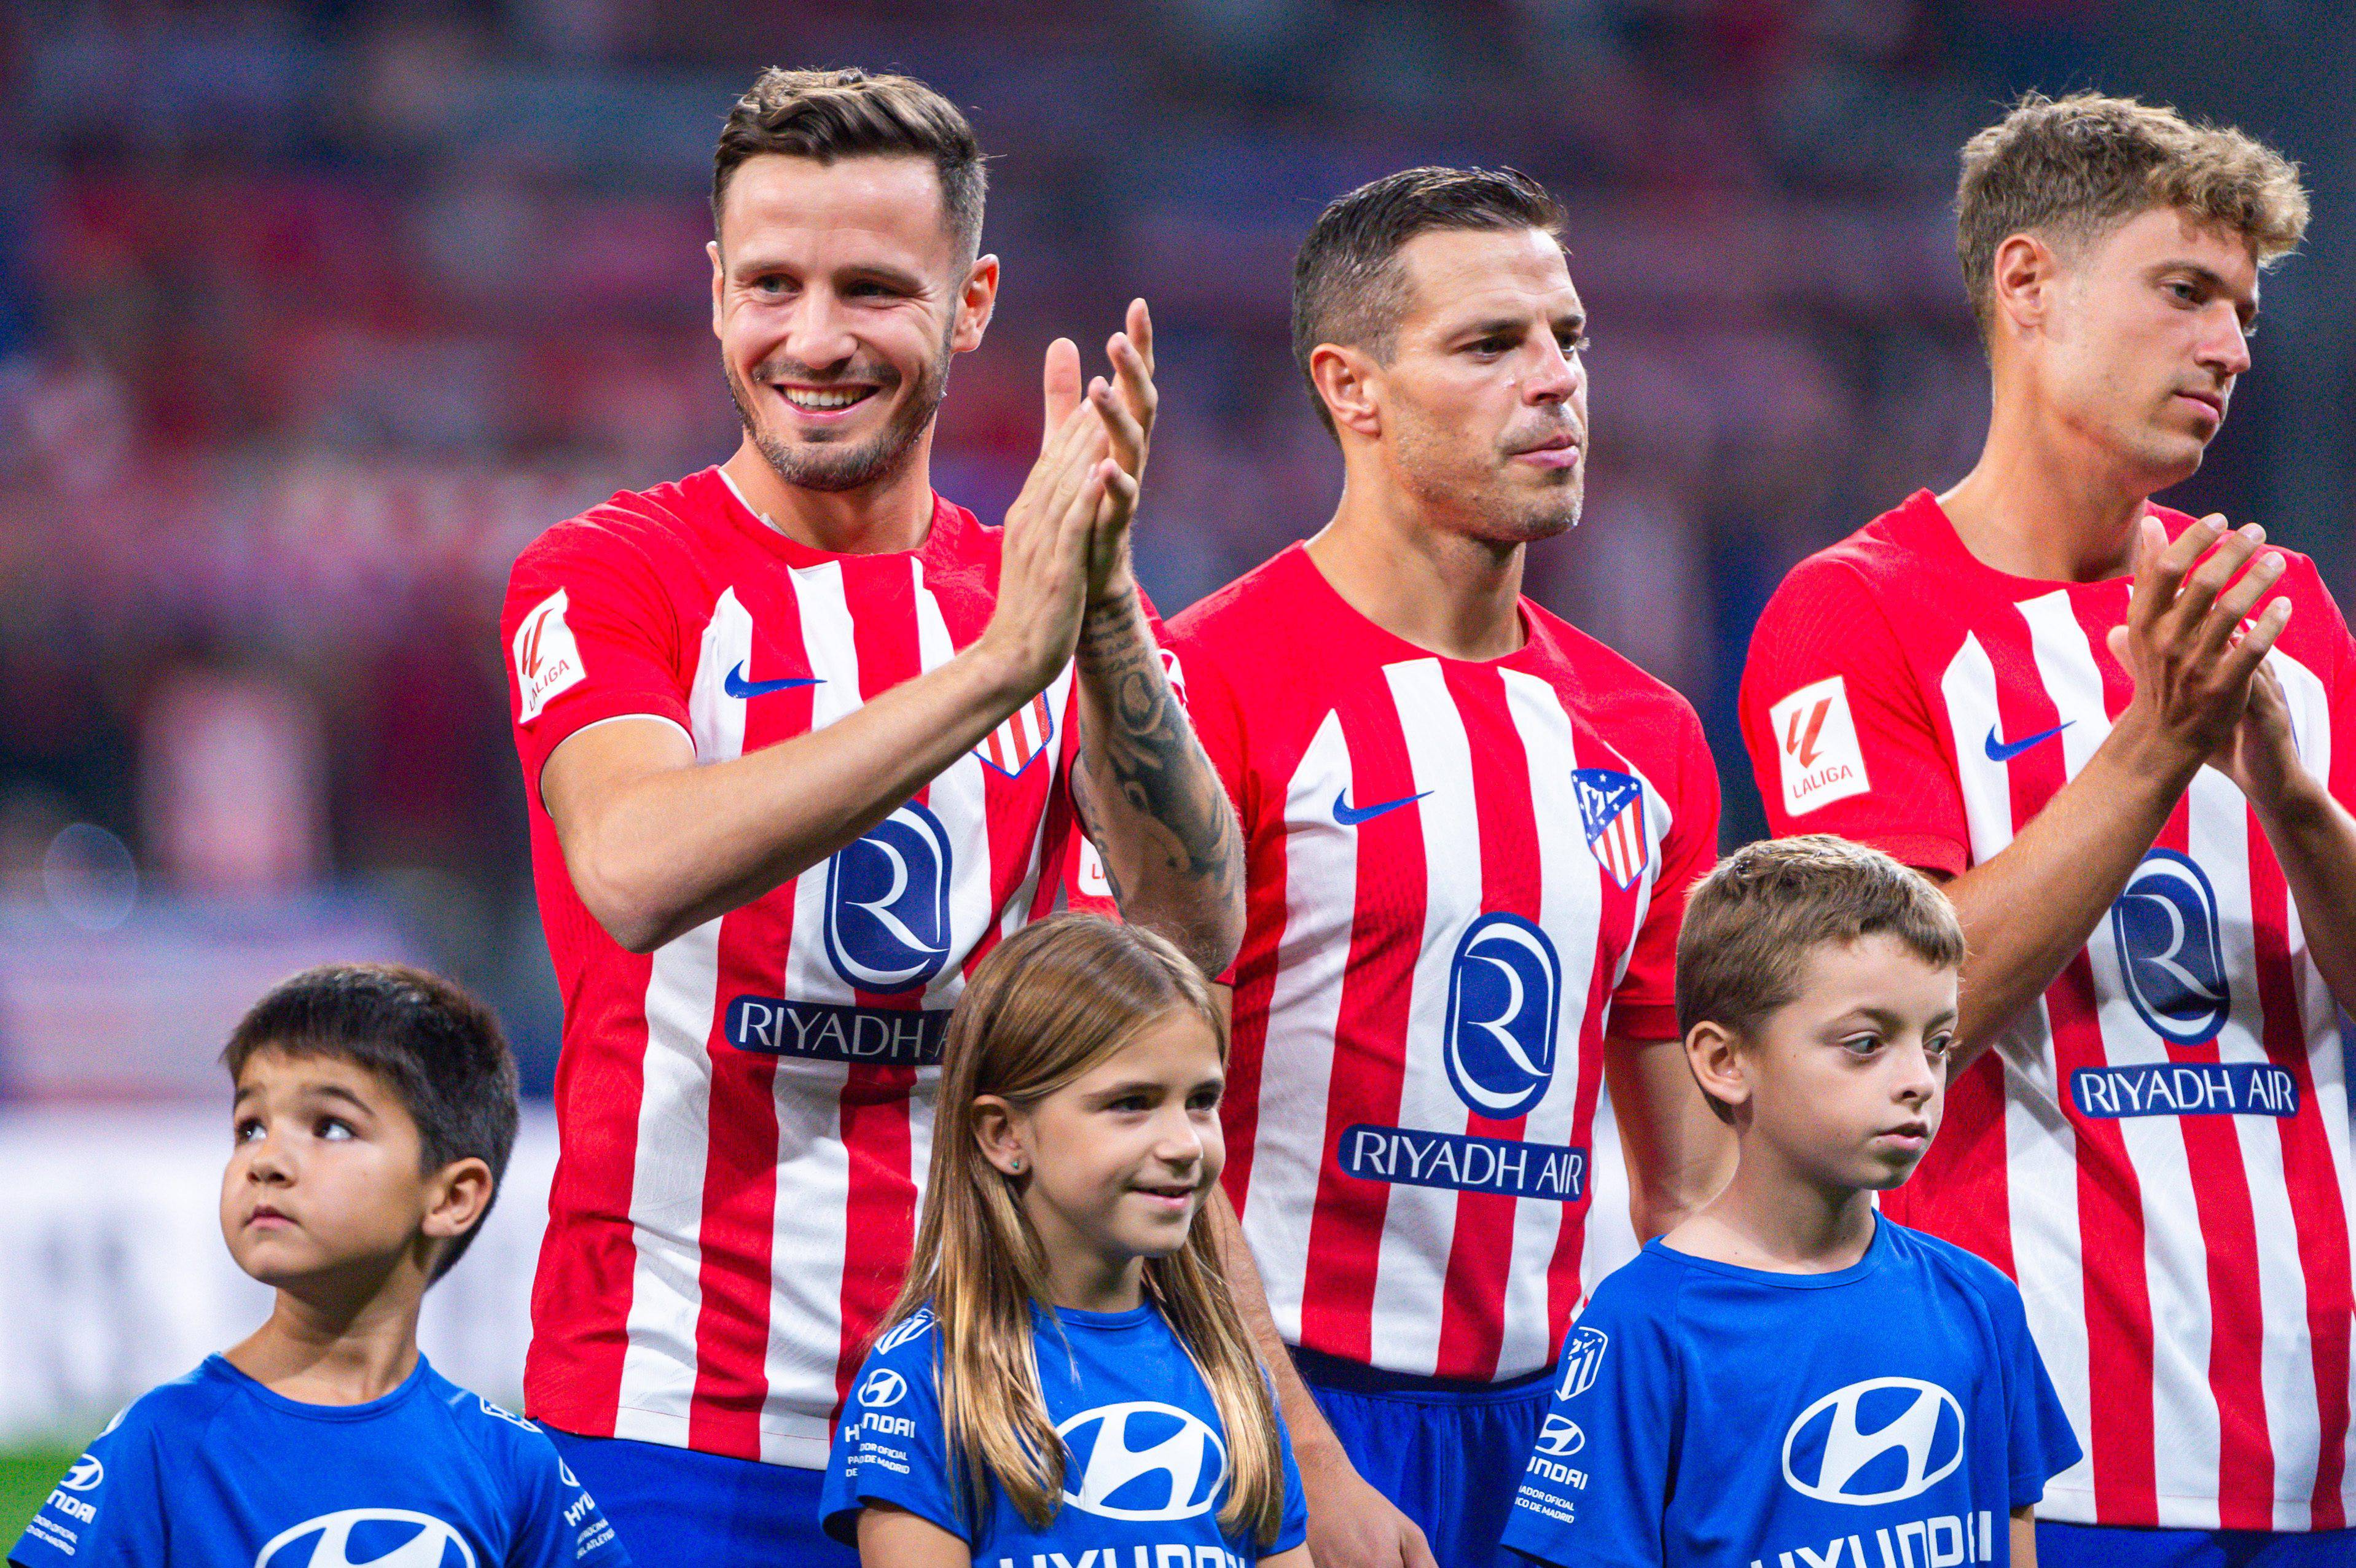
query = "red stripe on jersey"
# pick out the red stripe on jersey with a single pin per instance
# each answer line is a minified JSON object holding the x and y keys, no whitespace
{"x":2316,"y":1209}
{"x":2110,"y":1198}
{"x":880,"y":1218}
{"x":2221,"y":1198}
{"x":581,"y":1291}
{"x":738,"y":1237}
{"x":1481,"y":1253}
{"x":1266,"y":869}
{"x":1346,"y":1231}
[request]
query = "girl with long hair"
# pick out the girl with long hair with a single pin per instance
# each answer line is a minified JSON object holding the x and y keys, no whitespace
{"x":1065,"y":1377}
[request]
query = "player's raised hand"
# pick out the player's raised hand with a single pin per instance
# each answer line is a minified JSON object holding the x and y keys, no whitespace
{"x":1127,"y":404}
{"x":2184,"y":643}
{"x":1044,"y":562}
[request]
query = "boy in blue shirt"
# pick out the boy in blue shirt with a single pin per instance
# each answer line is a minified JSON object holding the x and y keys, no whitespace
{"x":1788,"y":1380}
{"x":375,"y":1109}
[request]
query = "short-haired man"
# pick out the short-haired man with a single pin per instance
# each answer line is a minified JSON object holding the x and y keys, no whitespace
{"x":1469,"y":830}
{"x":2118,"y":733}
{"x":804,"y":740}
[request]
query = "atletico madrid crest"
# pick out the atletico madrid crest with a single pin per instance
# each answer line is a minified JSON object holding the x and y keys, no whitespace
{"x":1010,"y":746}
{"x":1612,"y":805}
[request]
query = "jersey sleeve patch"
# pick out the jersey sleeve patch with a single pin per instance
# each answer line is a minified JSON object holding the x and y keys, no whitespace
{"x":548,"y":660}
{"x":1816,"y":737}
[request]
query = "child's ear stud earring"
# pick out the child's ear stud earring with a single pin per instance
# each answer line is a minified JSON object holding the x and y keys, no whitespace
{"x":1017,"y":1167}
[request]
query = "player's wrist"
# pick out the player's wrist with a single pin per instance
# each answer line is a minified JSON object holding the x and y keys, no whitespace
{"x":2149,"y":754}
{"x":1002,"y":671}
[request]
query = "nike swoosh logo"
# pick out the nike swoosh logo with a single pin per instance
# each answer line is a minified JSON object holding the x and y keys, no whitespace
{"x":2004,"y":751}
{"x":737,"y":685}
{"x":1349,"y":817}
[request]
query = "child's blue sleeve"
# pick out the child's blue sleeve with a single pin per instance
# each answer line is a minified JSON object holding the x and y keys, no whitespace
{"x":890,"y":1446}
{"x":107,"y":1510}
{"x":2041,"y":1443}
{"x":1293,"y":1531}
{"x":559,"y":1524}
{"x":1596,"y":1484}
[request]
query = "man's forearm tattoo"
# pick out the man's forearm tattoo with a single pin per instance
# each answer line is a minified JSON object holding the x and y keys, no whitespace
{"x":1149,"y":756}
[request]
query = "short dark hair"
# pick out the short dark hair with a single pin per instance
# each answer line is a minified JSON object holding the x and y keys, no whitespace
{"x":1751,"y":924}
{"x":1347,"y":284}
{"x":830,"y":115}
{"x":437,"y":1048}
{"x":2073,"y":166}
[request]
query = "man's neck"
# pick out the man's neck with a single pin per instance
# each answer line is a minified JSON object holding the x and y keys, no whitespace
{"x":330,"y":1346}
{"x":1773,"y":1218}
{"x":2046,"y":502}
{"x":893,"y":512}
{"x":1455,"y":595}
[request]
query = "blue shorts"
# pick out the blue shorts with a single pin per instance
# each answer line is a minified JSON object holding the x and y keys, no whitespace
{"x":2063,"y":1545}
{"x":1448,"y":1454}
{"x":675,"y":1505}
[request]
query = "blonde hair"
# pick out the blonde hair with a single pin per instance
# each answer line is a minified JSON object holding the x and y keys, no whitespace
{"x":2075,"y":165}
{"x":1750,"y":924}
{"x":1050,"y":1003}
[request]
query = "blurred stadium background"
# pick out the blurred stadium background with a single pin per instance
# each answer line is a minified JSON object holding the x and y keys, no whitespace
{"x":312,"y":315}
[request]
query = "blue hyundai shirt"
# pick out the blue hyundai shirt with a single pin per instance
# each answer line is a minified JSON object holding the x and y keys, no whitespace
{"x":1891,"y":1414}
{"x":216,"y":1471}
{"x":1145,"y":1462}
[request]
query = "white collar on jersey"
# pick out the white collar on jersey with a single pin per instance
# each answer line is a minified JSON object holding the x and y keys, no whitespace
{"x":726,"y":479}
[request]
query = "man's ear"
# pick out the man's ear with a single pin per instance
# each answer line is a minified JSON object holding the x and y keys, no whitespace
{"x":2022,"y":281}
{"x":1351,"y":382}
{"x":719,"y":279}
{"x":1713,"y":1051}
{"x":976,"y":303}
{"x":456,"y":1197}
{"x":998,"y":1131}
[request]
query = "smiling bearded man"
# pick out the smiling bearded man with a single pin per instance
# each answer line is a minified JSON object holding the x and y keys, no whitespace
{"x":803,"y":741}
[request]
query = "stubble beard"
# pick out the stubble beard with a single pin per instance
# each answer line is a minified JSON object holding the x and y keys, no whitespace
{"x":1487,"y":503}
{"x":817,"y":466}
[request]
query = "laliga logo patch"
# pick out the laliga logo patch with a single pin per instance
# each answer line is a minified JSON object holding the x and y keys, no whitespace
{"x":85,"y":1476}
{"x":1880,"y":1441}
{"x":1560,"y":1437}
{"x":888,"y":903}
{"x":1582,"y":1353}
{"x":547,"y":659}
{"x":388,"y":1538}
{"x":883,"y":1389}
{"x":2170,"y":961}
{"x":1611,"y":806}
{"x":1505,"y":993}
{"x":1143,"y":1461}
{"x":1817,"y":752}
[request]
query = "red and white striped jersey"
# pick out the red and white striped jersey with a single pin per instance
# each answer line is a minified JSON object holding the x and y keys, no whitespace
{"x":746,"y":1111}
{"x":2157,"y":1150}
{"x":1461,"y":877}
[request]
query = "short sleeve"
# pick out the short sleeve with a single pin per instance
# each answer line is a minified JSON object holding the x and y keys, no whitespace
{"x":1596,"y":1488}
{"x":1840,"y":736}
{"x":2041,"y":1443}
{"x":107,"y":1510}
{"x":890,"y":1446}
{"x":560,"y":1524}
{"x":590,"y":633}
{"x":2340,"y":690}
{"x":1292,"y":1529}
{"x":1644,"y":1007}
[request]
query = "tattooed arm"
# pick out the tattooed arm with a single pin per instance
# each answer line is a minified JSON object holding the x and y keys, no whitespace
{"x":1149,"y":795}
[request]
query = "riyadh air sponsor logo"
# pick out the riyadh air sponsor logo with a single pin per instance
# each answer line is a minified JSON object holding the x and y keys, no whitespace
{"x":388,"y":1538}
{"x":888,"y":903}
{"x":1879,"y":1441}
{"x":1583,"y":1356}
{"x":1143,"y":1462}
{"x":882,"y":1389}
{"x":2172,"y":963}
{"x":1505,"y":993}
{"x":1560,"y":1437}
{"x":1815,"y":739}
{"x":85,"y":1476}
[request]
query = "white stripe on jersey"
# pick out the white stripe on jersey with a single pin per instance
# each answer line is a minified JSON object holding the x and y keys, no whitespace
{"x":1304,"y":1010}
{"x":2176,"y":1253}
{"x":675,"y":1105}
{"x":806,"y":1298}
{"x":1571,"y":900}
{"x":956,"y":796}
{"x":2040,"y":1148}
{"x":1420,"y":1222}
